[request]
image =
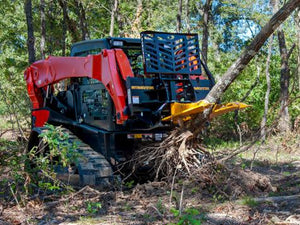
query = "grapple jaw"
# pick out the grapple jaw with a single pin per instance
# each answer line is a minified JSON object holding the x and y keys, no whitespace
{"x":184,"y":111}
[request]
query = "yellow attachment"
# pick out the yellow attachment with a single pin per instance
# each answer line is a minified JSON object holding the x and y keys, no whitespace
{"x":220,"y":109}
{"x":183,"y":111}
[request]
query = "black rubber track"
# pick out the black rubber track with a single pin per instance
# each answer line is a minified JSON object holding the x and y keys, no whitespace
{"x":91,"y":167}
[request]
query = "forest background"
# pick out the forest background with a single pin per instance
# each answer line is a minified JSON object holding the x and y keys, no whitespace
{"x":224,"y":28}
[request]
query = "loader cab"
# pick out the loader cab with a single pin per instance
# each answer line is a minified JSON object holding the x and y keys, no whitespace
{"x":131,"y":47}
{"x":94,"y":105}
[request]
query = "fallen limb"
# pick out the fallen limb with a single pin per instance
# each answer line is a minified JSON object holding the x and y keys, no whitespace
{"x":273,"y":199}
{"x":277,"y":198}
{"x":86,"y":188}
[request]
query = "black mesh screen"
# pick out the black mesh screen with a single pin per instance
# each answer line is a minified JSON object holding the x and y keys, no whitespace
{"x":171,"y":53}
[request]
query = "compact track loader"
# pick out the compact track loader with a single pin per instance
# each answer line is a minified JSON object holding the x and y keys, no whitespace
{"x":113,"y":93}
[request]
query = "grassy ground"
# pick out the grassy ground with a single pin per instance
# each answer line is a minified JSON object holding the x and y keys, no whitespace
{"x":262,"y":187}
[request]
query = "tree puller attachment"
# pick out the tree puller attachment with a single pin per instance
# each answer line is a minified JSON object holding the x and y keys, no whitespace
{"x":115,"y":93}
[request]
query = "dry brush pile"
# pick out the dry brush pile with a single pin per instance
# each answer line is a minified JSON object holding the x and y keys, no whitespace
{"x":182,"y":155}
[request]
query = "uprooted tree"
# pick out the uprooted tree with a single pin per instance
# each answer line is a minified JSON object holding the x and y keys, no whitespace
{"x":181,"y":150}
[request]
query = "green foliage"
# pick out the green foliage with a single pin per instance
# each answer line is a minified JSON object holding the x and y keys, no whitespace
{"x":127,"y":207}
{"x":189,"y":216}
{"x":53,"y":152}
{"x":13,"y":60}
{"x":218,"y":197}
{"x":243,"y":166}
{"x":11,"y":164}
{"x":59,"y":145}
{"x":249,"y":201}
{"x":129,"y":184}
{"x":54,"y":149}
{"x":93,"y":207}
{"x":286,"y":173}
{"x":195,"y":190}
{"x":48,"y":186}
{"x":160,"y":206}
{"x":32,"y":172}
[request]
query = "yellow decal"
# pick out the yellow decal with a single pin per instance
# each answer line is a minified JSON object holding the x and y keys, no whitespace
{"x":137,"y":135}
{"x":201,"y":88}
{"x":142,"y":87}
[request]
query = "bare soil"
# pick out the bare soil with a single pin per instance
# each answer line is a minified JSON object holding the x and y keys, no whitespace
{"x":264,"y":189}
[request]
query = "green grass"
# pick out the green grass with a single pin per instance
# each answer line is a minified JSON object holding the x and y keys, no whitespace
{"x":286,"y":173}
{"x":249,"y":201}
{"x":84,"y":220}
{"x":274,"y":194}
{"x":219,"y":144}
{"x":5,"y":123}
{"x":272,"y":151}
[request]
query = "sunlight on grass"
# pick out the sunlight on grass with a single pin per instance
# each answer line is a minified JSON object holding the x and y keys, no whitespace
{"x":278,"y":149}
{"x":4,"y":123}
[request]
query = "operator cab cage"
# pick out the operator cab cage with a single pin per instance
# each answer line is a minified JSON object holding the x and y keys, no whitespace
{"x":130,"y":46}
{"x":168,"y":53}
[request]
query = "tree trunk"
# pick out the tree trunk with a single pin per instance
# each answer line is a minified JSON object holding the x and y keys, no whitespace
{"x":136,"y":26}
{"x":30,"y":38}
{"x":64,"y":27}
{"x":284,"y":120}
{"x":43,"y":28}
{"x":206,"y":10}
{"x":50,"y":40}
{"x":187,"y":16}
{"x":112,"y":18}
{"x":81,"y":13}
{"x":297,"y":20}
{"x":178,"y":17}
{"x":237,"y":67}
{"x":266,"y":109}
{"x":71,"y":24}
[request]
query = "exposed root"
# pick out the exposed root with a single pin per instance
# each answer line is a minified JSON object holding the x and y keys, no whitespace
{"x":178,"y":151}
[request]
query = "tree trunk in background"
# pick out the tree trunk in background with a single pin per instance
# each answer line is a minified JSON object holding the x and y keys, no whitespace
{"x":71,"y":24}
{"x":112,"y":18}
{"x":187,"y":16}
{"x":81,"y":13}
{"x":206,"y":10}
{"x":64,"y":27}
{"x":120,"y":21}
{"x":237,"y":67}
{"x":266,"y":109}
{"x":284,"y":120}
{"x":178,"y":17}
{"x":43,"y":28}
{"x":297,"y":20}
{"x":30,"y":38}
{"x":136,"y":26}
{"x":51,"y":24}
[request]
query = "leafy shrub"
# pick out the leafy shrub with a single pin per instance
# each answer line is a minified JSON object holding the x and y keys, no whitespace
{"x":190,"y":216}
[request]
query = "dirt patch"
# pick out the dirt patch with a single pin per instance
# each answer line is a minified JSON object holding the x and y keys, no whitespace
{"x":151,"y":203}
